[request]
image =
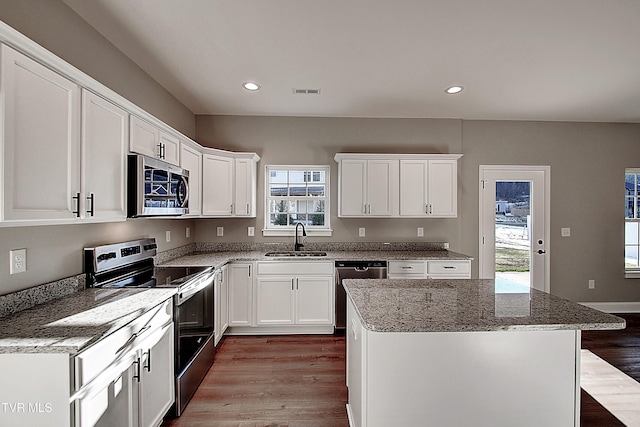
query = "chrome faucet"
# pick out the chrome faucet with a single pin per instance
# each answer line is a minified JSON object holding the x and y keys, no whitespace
{"x":304,"y":234}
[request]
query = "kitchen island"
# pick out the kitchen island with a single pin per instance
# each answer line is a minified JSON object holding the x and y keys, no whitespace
{"x":461,"y":352}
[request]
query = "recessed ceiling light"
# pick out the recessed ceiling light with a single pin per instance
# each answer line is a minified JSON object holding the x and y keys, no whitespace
{"x":453,"y":89}
{"x":251,"y":86}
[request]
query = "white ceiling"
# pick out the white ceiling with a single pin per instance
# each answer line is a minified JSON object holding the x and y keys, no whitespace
{"x":566,"y":60}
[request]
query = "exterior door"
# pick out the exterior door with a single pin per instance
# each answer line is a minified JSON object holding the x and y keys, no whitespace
{"x":514,"y":226}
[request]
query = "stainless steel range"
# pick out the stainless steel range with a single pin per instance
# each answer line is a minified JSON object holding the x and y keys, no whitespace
{"x":130,"y":265}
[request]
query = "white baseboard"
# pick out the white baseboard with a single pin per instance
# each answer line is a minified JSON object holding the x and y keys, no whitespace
{"x":614,"y":307}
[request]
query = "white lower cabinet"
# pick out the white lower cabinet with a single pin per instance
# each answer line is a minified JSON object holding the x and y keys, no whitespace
{"x":429,"y":269}
{"x":295,"y":294}
{"x":240,"y":294}
{"x":135,"y":382}
{"x":125,"y":379}
{"x":454,"y":269}
{"x":221,"y":301}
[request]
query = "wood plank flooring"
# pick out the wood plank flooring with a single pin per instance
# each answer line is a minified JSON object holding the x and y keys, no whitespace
{"x":299,"y":381}
{"x":275,"y":381}
{"x":622,"y":350}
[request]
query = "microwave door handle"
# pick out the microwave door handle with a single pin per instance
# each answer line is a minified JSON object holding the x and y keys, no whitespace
{"x":182,"y":201}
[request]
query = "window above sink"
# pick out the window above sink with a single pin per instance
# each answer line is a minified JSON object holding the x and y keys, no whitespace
{"x":297,"y":194}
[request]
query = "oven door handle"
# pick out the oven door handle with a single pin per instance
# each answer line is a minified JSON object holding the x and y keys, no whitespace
{"x":192,"y":289}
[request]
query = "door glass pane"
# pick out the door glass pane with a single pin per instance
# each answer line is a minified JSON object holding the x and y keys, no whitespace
{"x":631,"y":233}
{"x":512,"y":236}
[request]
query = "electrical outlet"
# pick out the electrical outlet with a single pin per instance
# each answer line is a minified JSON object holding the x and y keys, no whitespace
{"x":592,"y":284}
{"x":18,"y":260}
{"x":168,"y":236}
{"x":565,"y":232}
{"x":420,"y":231}
{"x":187,"y":232}
{"x":361,"y":232}
{"x":220,"y":231}
{"x":251,"y":231}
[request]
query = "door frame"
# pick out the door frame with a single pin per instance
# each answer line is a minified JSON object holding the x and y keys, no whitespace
{"x":546,"y":213}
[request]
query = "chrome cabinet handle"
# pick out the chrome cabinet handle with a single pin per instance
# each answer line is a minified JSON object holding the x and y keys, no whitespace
{"x":136,"y":375}
{"x":77,"y":199}
{"x":247,"y":208}
{"x":404,"y":267}
{"x":91,"y":200}
{"x":292,"y":283}
{"x":148,"y":364}
{"x":449,"y":267}
{"x":231,"y":208}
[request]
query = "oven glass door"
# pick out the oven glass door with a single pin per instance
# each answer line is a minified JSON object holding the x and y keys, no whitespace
{"x":195,"y":325}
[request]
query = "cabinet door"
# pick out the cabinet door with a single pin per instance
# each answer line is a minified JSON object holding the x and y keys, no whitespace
{"x":245,"y":188}
{"x":356,"y":366}
{"x":443,"y":188}
{"x":145,"y":138}
{"x":169,"y":148}
{"x":191,"y":159}
{"x":353,"y":187}
{"x":105,"y":137}
{"x":240,"y":295}
{"x":275,"y":300}
{"x":380,"y":187}
{"x":111,"y":399}
{"x":41,"y":141}
{"x":314,"y":300}
{"x":224,"y":300}
{"x":413,"y":187}
{"x":217,"y":185}
{"x":157,"y":379}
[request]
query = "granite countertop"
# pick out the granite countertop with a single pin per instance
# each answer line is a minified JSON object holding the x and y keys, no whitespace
{"x":218,"y":259}
{"x":464,"y":305}
{"x":70,"y":324}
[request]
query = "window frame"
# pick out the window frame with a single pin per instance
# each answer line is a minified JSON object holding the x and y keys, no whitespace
{"x":289,"y":230}
{"x":632,"y":272}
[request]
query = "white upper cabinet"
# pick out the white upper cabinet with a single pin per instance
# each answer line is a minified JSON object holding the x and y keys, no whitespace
{"x":428,"y":187}
{"x":105,"y":137}
{"x":229,"y":184}
{"x":217,"y":185}
{"x":367,"y":187}
{"x":191,"y":160}
{"x":40,"y":142}
{"x":397,"y":185}
{"x":149,"y":140}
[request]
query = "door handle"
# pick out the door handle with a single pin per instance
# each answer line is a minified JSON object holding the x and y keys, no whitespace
{"x":541,"y":251}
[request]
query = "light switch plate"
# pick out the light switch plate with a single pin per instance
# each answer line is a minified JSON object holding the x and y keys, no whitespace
{"x":187,"y":232}
{"x":220,"y":231}
{"x":420,"y":231}
{"x":168,"y":236}
{"x":251,"y":231}
{"x":361,"y":232}
{"x":565,"y":232}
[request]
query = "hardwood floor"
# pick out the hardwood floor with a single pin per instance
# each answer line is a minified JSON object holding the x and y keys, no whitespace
{"x":299,"y":381}
{"x":622,"y":350}
{"x":275,"y":381}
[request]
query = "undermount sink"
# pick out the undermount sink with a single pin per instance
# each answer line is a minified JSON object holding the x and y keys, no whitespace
{"x":295,"y":254}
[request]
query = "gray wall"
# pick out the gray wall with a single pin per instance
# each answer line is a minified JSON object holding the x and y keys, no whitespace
{"x":55,"y":252}
{"x":587,"y":183}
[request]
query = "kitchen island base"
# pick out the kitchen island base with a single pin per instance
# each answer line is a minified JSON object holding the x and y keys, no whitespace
{"x":494,"y":378}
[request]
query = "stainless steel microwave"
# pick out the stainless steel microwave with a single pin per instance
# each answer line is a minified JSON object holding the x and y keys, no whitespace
{"x":156,"y":188}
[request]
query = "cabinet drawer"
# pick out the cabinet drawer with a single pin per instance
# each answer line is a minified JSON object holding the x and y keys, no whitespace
{"x":449,"y":267}
{"x":296,"y":268}
{"x":90,"y":362}
{"x":407,"y":267}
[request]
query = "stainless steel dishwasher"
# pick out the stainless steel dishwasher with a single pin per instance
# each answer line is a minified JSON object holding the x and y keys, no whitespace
{"x":354,"y":270}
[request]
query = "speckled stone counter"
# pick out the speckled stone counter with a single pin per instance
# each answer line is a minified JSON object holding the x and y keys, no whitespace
{"x":466,"y":305}
{"x":69,"y":324}
{"x":219,"y":258}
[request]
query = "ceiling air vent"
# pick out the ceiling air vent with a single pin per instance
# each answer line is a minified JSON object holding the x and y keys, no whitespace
{"x":306,"y":91}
